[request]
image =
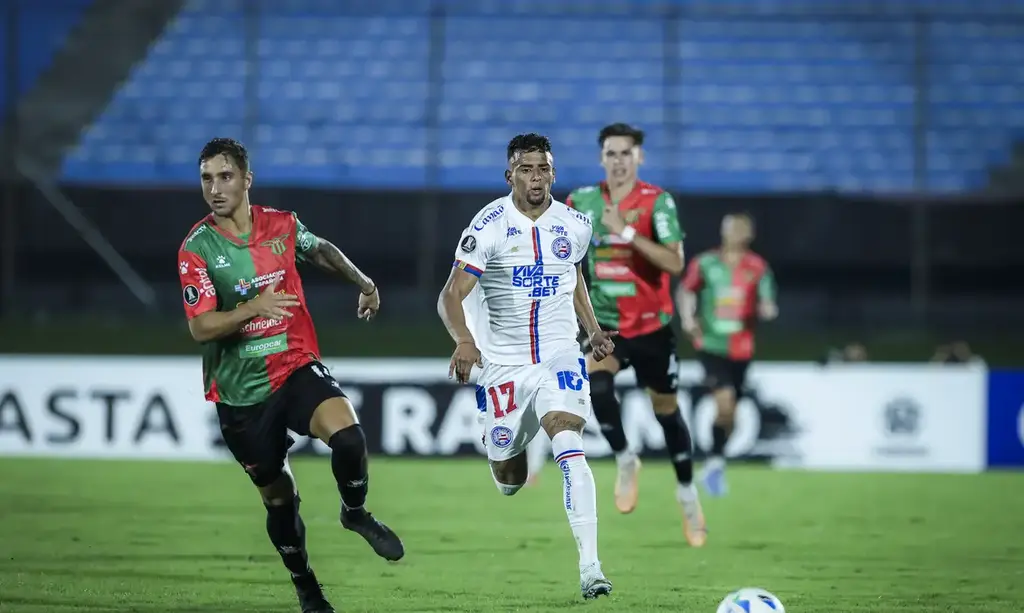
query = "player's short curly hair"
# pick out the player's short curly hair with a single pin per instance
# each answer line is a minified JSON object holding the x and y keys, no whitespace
{"x":620,"y":129}
{"x":527,"y":143}
{"x":229,"y":147}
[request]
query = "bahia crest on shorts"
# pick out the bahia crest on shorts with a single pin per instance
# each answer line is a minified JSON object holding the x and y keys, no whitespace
{"x":514,"y":399}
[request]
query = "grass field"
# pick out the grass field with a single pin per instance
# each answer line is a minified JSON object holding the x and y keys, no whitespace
{"x":98,"y":536}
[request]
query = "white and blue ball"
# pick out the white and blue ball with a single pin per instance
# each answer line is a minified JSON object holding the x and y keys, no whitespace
{"x":751,"y":600}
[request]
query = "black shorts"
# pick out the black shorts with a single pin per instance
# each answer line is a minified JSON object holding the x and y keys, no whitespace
{"x":652,"y":357}
{"x":721,"y":372}
{"x":257,"y":435}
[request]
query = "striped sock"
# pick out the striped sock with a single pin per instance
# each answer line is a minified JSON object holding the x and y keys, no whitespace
{"x":578,"y":493}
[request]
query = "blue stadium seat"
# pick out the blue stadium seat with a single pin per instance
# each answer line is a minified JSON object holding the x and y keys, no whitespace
{"x":42,"y":28}
{"x":737,"y":95}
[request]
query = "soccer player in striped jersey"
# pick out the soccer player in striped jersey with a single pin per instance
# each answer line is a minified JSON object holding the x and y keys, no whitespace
{"x":513,"y":304}
{"x":723,"y":295}
{"x":261,"y":363}
{"x":637,"y":246}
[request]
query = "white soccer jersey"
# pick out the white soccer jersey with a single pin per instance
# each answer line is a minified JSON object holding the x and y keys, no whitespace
{"x":521,"y":311}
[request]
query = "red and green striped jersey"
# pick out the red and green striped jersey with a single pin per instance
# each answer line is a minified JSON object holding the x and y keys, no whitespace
{"x":629,"y":293}
{"x":220,"y":271}
{"x":728,"y":298}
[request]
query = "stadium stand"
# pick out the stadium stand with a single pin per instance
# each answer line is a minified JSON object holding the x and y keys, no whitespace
{"x":778,"y":96}
{"x":41,"y":29}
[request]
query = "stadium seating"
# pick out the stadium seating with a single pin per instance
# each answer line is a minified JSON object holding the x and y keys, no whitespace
{"x":751,"y":95}
{"x":42,"y":27}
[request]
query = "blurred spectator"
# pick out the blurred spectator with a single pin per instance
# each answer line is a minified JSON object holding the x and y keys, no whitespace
{"x":851,"y":353}
{"x":957,"y":352}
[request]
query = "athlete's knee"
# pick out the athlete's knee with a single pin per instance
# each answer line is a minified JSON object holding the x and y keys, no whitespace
{"x":562,"y":421}
{"x":725,"y":403}
{"x":278,"y":490}
{"x":677,"y":432}
{"x":725,"y":399}
{"x":510,"y":475}
{"x":333,"y":415}
{"x":602,"y":392}
{"x":266,"y":476}
{"x":602,"y":382}
{"x":664,"y":404}
{"x":348,"y":442}
{"x":609,"y":364}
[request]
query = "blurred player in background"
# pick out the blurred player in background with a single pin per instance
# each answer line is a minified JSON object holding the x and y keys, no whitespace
{"x":733,"y":287}
{"x":261,"y":362}
{"x":512,"y":305}
{"x":637,"y":246}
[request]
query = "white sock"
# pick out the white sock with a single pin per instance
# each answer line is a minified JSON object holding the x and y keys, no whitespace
{"x":715,"y":462}
{"x":579,"y":495}
{"x":686,"y":493}
{"x":625,"y":457}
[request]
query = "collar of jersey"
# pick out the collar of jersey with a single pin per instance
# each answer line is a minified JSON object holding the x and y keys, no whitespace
{"x":231,"y":237}
{"x":606,"y":192}
{"x":511,"y":206}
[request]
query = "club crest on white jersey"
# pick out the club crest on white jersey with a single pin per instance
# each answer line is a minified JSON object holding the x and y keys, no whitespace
{"x":521,"y":310}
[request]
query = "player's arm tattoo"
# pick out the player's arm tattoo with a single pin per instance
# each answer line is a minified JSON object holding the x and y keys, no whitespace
{"x":557,"y":423}
{"x":329,"y":258}
{"x":581,"y":302}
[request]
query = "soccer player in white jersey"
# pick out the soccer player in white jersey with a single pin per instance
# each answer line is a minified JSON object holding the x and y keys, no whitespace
{"x":511,"y":304}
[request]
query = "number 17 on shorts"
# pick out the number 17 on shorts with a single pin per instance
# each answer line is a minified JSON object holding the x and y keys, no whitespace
{"x":518,"y":397}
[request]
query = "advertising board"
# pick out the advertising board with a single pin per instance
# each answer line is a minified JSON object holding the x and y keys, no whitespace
{"x":845,"y":417}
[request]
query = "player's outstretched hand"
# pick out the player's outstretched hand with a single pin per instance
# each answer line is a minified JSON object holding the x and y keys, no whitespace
{"x":369,"y":304}
{"x":601,"y":343}
{"x":465,"y":357}
{"x":271,"y":304}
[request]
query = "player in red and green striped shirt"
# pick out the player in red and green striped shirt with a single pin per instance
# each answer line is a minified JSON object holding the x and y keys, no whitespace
{"x":733,"y":287}
{"x":261,"y":362}
{"x":637,"y":246}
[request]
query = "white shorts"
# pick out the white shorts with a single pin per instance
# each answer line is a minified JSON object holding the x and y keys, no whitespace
{"x":513,"y":400}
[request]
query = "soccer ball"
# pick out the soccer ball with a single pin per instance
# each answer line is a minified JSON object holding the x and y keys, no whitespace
{"x":751,"y":600}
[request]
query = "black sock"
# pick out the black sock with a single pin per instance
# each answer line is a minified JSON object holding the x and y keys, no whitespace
{"x":679,"y":445}
{"x":607,"y":409}
{"x":719,"y":437}
{"x":348,"y":462}
{"x":288,"y":534}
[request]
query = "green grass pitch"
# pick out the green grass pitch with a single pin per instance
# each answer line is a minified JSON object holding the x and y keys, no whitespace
{"x":163,"y":537}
